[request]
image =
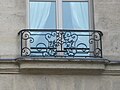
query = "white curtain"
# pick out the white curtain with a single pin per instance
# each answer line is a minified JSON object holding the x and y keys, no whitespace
{"x":79,"y":12}
{"x":39,"y":12}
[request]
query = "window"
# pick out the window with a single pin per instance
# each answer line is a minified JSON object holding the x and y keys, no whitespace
{"x":42,"y":15}
{"x":61,"y":28}
{"x":60,"y":14}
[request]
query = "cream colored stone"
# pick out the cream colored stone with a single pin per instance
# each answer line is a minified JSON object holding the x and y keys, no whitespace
{"x":106,"y":13}
{"x":12,"y":20}
{"x":6,"y":82}
{"x":116,"y":83}
{"x":105,"y":83}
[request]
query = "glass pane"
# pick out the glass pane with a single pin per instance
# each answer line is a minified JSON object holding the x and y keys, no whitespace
{"x":75,"y":15}
{"x":42,"y":15}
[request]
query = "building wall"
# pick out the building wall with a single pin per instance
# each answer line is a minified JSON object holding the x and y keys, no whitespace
{"x":13,"y":19}
{"x":107,"y":19}
{"x":55,"y":82}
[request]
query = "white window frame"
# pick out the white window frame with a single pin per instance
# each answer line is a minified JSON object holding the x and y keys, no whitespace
{"x":59,"y":15}
{"x":59,"y":12}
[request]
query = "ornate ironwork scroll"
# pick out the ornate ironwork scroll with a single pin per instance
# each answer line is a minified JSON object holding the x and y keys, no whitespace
{"x":61,"y":43}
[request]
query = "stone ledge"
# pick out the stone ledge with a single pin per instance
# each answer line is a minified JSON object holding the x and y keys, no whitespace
{"x":61,"y":66}
{"x":112,"y":69}
{"x":9,"y":66}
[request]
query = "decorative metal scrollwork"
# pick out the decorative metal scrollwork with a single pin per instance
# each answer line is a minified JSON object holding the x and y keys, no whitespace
{"x":97,"y":52}
{"x":70,"y":39}
{"x":25,"y":35}
{"x":70,"y":43}
{"x":26,"y":51}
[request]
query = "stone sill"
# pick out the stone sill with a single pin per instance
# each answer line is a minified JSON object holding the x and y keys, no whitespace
{"x":61,"y":66}
{"x":9,"y":66}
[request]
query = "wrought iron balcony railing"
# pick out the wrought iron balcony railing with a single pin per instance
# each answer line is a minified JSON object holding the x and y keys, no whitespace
{"x":61,"y":43}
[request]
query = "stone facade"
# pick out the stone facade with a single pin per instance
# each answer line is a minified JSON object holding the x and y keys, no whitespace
{"x":56,"y":82}
{"x":106,"y":13}
{"x":39,"y":74}
{"x":12,"y":20}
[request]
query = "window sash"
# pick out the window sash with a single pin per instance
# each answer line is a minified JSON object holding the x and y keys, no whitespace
{"x":59,"y":14}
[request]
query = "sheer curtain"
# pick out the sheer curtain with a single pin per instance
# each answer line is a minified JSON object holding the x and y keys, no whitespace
{"x":79,"y":13}
{"x":39,"y":12}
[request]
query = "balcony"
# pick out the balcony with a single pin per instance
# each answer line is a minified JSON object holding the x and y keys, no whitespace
{"x":61,"y":43}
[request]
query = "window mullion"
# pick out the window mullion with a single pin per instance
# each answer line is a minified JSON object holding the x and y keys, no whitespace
{"x":59,"y":26}
{"x":59,"y":13}
{"x":91,"y":12}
